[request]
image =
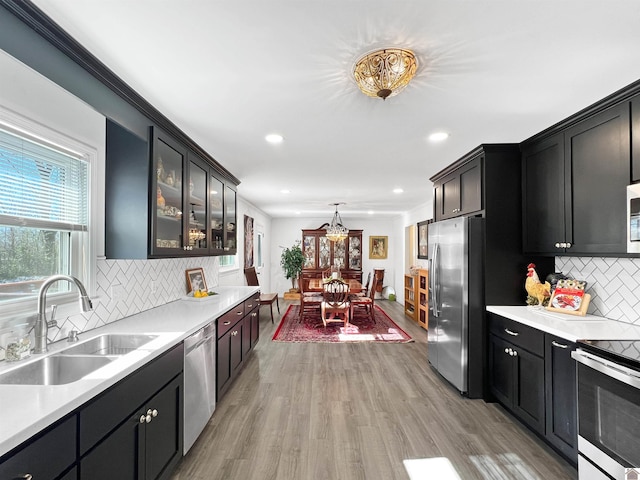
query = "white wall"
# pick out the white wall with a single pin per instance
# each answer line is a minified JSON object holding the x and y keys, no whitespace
{"x":288,"y":230}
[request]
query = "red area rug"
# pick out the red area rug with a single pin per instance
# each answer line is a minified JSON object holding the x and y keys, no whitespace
{"x":362,"y":329}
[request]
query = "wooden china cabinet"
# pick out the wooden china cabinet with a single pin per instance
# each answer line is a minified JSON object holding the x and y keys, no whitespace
{"x":320,"y":254}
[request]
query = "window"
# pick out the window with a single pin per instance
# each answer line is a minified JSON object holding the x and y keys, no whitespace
{"x":44,"y":209}
{"x":227,"y":262}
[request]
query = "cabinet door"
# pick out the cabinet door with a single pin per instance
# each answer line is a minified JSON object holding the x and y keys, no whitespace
{"x":117,"y":456}
{"x":230,"y":221}
{"x":198,"y":205}
{"x":355,"y":252}
{"x":501,"y":379}
{"x":163,"y":435}
{"x":528,"y":400}
{"x":223,"y":363}
{"x":339,"y":254}
{"x":450,"y":188}
{"x":325,"y":250}
{"x":216,"y":213}
{"x":635,"y":138}
{"x":255,"y":326}
{"x":471,"y":187}
{"x":309,"y":250}
{"x":44,"y":458}
{"x":543,"y":195}
{"x":597,"y":172}
{"x":246,"y":336}
{"x":236,"y":348}
{"x":167,"y":203}
{"x":561,"y":397}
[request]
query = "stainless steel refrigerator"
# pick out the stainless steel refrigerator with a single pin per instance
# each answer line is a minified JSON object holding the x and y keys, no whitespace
{"x":456,"y":302}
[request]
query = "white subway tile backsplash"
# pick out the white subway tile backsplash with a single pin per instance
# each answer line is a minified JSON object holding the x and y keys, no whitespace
{"x":614,"y":284}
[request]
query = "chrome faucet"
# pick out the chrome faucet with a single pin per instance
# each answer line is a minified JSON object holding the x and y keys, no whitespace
{"x":42,"y":326}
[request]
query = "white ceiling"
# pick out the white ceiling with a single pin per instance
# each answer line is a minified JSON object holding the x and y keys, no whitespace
{"x":229,"y":72}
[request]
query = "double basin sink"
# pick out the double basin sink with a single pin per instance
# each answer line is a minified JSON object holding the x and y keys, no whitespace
{"x":77,"y":361}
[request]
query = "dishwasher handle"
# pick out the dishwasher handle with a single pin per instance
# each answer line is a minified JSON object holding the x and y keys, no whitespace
{"x":197,"y":339}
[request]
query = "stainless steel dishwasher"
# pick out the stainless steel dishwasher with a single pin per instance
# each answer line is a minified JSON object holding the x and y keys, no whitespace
{"x":199,"y":382}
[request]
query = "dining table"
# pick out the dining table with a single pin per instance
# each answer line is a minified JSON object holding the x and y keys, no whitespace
{"x":317,"y":284}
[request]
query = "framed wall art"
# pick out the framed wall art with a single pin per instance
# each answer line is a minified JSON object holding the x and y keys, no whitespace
{"x":248,"y":241}
{"x":378,"y":247}
{"x":423,"y":239}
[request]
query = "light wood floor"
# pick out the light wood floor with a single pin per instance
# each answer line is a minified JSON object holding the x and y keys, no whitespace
{"x":356,"y":411}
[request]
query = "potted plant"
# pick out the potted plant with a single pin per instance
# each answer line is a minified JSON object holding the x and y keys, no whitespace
{"x":292,"y":261}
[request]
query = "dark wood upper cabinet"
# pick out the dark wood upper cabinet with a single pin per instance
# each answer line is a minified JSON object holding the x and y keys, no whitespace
{"x":164,"y":200}
{"x":459,"y":192}
{"x":635,"y":138}
{"x":574,"y":187}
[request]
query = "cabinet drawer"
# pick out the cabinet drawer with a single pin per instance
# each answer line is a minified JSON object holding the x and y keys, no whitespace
{"x":251,"y":303}
{"x":111,"y":408}
{"x":47,"y":456}
{"x":229,"y":319}
{"x":517,"y":333}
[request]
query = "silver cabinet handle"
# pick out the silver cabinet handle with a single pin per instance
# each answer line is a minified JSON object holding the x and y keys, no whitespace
{"x":238,"y":313}
{"x":153,"y":413}
{"x":515,"y":353}
{"x":568,"y":244}
{"x":557,"y":245}
{"x":513,"y":334}
{"x":506,"y":350}
{"x":559,"y":345}
{"x":227,"y":323}
{"x":254,"y":314}
{"x":143,"y":418}
{"x":250,"y":305}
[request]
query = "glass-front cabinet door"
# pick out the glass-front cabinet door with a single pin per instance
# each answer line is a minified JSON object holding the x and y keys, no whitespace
{"x":167,"y":227}
{"x":324,"y":253}
{"x":230,"y":230}
{"x":216,"y":212}
{"x":339,"y":254}
{"x":197,"y":239}
{"x":309,"y":251}
{"x":355,"y":253}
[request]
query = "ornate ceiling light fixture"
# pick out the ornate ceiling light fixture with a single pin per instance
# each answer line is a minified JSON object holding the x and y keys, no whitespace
{"x":335,"y":230}
{"x":384,"y":73}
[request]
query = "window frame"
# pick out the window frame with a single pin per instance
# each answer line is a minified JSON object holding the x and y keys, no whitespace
{"x":82,"y":256}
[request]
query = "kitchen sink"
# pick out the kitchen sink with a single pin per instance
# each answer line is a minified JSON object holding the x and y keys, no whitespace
{"x":54,"y":370}
{"x":110,"y":344}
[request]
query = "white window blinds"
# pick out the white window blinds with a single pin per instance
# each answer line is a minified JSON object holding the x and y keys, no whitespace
{"x":41,"y":185}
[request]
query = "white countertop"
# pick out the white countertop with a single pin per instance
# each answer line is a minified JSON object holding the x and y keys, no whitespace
{"x":569,"y":327}
{"x":27,"y":409}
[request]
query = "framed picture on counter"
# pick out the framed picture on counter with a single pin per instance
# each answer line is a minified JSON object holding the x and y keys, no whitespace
{"x":195,"y":280}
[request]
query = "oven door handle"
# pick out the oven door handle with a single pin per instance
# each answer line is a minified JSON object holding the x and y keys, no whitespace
{"x":607,"y":367}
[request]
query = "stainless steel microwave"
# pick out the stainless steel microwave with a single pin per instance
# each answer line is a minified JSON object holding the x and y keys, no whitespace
{"x":633,"y":218}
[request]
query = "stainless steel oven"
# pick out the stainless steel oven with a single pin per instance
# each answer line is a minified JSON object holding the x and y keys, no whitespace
{"x":608,"y":408}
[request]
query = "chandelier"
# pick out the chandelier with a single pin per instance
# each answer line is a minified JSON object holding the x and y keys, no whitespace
{"x":384,"y":73}
{"x":336,"y":231}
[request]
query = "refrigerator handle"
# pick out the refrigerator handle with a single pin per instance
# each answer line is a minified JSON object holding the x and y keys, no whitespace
{"x":434,"y":280}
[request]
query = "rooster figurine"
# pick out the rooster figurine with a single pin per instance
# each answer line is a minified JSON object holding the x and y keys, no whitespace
{"x":536,"y":290}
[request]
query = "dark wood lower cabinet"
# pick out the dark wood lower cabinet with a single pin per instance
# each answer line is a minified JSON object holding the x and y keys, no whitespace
{"x":46,"y":455}
{"x":146,"y":445}
{"x":238,"y":332}
{"x":517,"y":381}
{"x":536,"y":384}
{"x":561,"y":396}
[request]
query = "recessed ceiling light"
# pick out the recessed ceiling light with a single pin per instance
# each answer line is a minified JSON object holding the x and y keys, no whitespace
{"x":285,"y":191}
{"x":274,"y":138}
{"x":438,"y":136}
{"x":398,"y":190}
{"x":370,"y":212}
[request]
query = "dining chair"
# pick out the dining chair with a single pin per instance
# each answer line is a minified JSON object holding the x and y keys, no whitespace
{"x":335,"y":302}
{"x":309,"y":301}
{"x":265,"y":298}
{"x":365,"y":289}
{"x":364,"y":304}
